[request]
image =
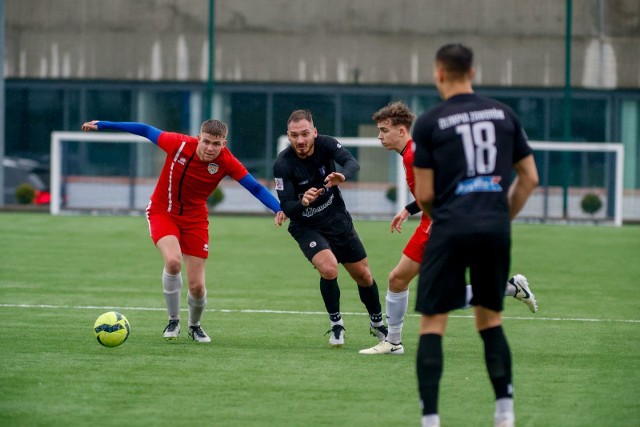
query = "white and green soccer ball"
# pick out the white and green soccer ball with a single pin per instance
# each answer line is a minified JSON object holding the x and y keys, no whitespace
{"x":111,"y":329}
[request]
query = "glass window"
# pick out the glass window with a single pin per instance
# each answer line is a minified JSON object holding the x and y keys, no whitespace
{"x":588,"y":120}
{"x":31,"y":116}
{"x":531,"y":111}
{"x":248,"y":130}
{"x":16,"y":121}
{"x":109,"y":104}
{"x":357,"y":111}
{"x":421,"y":104}
{"x":166,"y":110}
{"x":72,"y":114}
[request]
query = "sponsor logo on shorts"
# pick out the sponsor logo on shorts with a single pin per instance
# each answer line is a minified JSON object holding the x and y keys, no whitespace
{"x":206,"y":247}
{"x":313,"y":244}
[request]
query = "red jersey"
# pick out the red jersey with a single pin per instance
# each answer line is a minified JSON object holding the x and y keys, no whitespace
{"x":407,"y":161}
{"x":186,"y":182}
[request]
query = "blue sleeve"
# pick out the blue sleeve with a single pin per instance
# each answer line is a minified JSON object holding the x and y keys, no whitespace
{"x":135,"y":128}
{"x":260,"y":192}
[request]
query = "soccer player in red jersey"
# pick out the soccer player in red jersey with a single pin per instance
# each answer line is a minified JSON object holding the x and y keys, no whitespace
{"x":394,"y":124}
{"x":177,"y":212}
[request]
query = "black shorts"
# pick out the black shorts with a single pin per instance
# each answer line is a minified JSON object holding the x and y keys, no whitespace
{"x":342,"y":239}
{"x":441,"y":286}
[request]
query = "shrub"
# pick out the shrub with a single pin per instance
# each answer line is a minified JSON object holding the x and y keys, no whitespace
{"x":215,"y":198}
{"x":25,"y":193}
{"x":591,"y":203}
{"x":392,"y":193}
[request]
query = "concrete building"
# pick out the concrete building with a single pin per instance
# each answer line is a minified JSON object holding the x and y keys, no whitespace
{"x":67,"y":61}
{"x":517,"y":43}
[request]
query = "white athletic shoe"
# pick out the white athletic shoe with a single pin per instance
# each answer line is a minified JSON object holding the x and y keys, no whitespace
{"x":523,"y":293}
{"x":198,"y":335}
{"x":336,"y":337}
{"x":379,"y":332}
{"x":504,"y":419}
{"x":172,"y":331}
{"x":385,"y":347}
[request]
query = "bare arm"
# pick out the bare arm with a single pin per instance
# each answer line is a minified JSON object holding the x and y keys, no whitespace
{"x":523,"y":185}
{"x":424,"y":189}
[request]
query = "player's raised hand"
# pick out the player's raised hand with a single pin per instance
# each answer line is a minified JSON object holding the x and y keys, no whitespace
{"x":396,"y":222}
{"x":90,"y":126}
{"x":334,"y":178}
{"x":311,"y":195}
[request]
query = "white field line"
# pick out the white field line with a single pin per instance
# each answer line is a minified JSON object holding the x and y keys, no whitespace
{"x":213,"y":310}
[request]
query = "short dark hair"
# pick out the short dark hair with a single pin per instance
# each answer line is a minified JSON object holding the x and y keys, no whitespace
{"x":456,"y":59}
{"x":214,"y":127}
{"x":298,"y":115}
{"x":398,"y":113}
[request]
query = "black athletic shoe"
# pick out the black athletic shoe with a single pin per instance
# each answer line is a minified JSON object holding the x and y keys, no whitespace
{"x":172,"y":330}
{"x":197,"y":334}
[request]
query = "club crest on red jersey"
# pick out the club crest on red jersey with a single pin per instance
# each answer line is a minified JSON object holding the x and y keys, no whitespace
{"x":213,"y":168}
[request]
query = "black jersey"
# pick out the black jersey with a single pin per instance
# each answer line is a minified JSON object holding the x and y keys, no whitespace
{"x":471,"y":143}
{"x":294,"y":176}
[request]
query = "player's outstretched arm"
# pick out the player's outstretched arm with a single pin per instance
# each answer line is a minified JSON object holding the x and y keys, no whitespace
{"x":141,"y":129}
{"x":261,"y":193}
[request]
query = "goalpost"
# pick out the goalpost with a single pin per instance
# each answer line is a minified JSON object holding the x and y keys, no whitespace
{"x":80,"y":180}
{"x":116,"y":173}
{"x":601,"y":174}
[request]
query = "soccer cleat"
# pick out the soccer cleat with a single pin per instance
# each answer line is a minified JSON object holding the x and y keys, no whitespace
{"x":384,"y":347}
{"x":172,"y":330}
{"x":379,"y":332}
{"x":197,"y":334}
{"x":523,"y":293}
{"x":336,"y":339}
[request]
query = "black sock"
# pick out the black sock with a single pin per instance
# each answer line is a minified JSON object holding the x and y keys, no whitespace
{"x":498,"y":359}
{"x":370,"y":297}
{"x":429,"y":365}
{"x":331,"y":296}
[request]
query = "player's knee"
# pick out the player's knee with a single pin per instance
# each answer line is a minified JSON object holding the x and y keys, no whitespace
{"x":397,"y":283}
{"x":197,"y":289}
{"x":328,"y":271}
{"x":327,"y":266}
{"x":363,"y":278}
{"x":173,"y":265}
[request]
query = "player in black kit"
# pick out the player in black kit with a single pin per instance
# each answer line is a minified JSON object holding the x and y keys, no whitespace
{"x":466,"y":150}
{"x":307,"y":184}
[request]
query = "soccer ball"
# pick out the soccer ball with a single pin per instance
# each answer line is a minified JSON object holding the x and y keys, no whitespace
{"x":111,"y":329}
